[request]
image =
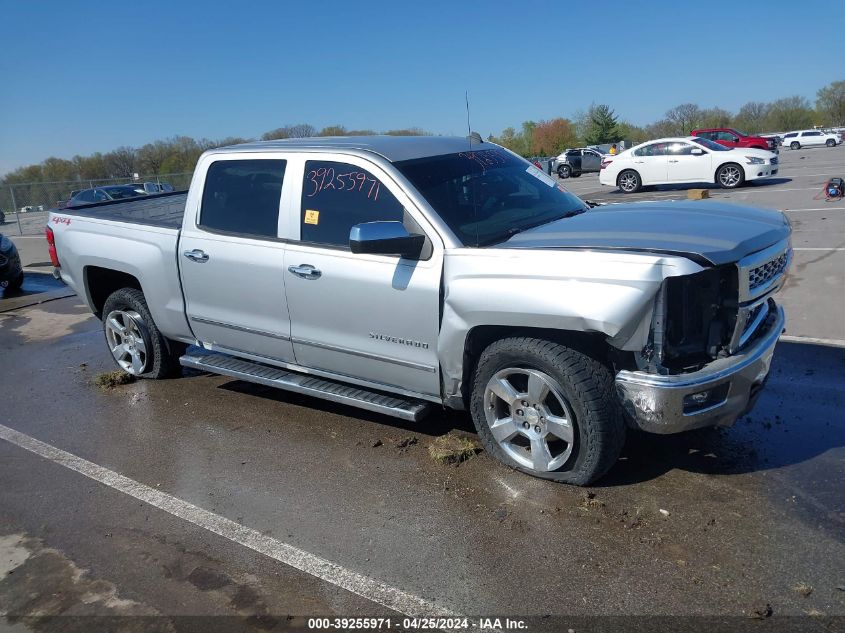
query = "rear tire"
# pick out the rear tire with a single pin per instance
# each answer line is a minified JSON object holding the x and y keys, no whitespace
{"x":529,"y":395}
{"x":730,"y":176}
{"x":830,"y":142}
{"x":629,"y":181}
{"x":136,"y":344}
{"x":795,"y":145}
{"x":564,"y":171}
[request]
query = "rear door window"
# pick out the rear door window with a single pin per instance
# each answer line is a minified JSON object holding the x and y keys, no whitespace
{"x":242,"y":197}
{"x":655,"y":149}
{"x":337,"y":196}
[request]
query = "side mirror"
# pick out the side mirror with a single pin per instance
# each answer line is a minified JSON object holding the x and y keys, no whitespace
{"x":697,"y":151}
{"x":385,"y":238}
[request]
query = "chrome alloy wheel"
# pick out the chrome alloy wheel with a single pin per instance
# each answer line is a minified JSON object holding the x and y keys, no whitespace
{"x":628,"y":182}
{"x":530,"y":418}
{"x":729,"y":176}
{"x":126,"y":341}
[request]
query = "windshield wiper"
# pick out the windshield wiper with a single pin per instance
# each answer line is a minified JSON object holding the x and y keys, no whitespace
{"x":504,"y":237}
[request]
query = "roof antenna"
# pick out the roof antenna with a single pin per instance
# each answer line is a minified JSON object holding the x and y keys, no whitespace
{"x":473,"y":137}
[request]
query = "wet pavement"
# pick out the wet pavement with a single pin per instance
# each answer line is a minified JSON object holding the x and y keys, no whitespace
{"x":715,"y":522}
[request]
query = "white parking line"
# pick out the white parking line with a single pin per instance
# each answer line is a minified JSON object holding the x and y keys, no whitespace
{"x":833,"y":342}
{"x":325,"y":570}
{"x":818,"y":209}
{"x":820,"y":248}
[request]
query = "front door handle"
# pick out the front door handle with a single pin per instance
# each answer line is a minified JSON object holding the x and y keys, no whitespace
{"x":196,"y":255}
{"x":306,"y":271}
{"x":673,"y":161}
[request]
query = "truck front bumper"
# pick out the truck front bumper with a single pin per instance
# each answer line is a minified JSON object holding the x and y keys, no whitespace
{"x":715,"y":395}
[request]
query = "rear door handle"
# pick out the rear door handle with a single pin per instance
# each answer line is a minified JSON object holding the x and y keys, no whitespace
{"x":673,"y":161}
{"x":306,"y":271}
{"x":196,"y":255}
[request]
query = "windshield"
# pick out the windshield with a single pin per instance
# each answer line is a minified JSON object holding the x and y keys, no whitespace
{"x":712,"y":145}
{"x":119,"y":193}
{"x":486,"y":196}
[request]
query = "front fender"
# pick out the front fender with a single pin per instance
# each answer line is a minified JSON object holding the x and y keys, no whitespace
{"x":610,"y":293}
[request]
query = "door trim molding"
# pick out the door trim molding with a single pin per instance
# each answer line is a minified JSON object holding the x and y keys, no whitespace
{"x":239,"y":328}
{"x":353,"y":352}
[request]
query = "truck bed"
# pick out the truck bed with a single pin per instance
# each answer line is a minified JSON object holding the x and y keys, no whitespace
{"x":161,"y":209}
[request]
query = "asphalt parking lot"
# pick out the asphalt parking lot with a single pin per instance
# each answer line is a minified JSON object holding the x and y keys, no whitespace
{"x":209,"y":496}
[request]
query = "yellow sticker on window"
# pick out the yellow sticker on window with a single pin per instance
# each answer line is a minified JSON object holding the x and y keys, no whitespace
{"x":312,"y":217}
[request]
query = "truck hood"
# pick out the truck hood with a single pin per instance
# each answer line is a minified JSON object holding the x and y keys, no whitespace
{"x":707,"y":232}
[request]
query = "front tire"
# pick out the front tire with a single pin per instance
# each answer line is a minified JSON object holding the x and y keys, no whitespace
{"x":629,"y":181}
{"x":795,"y":145}
{"x":564,"y":171}
{"x":730,"y":176}
{"x":547,"y":410}
{"x":15,"y":284}
{"x":136,"y":344}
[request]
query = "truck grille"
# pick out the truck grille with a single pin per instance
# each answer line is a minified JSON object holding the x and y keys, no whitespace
{"x":768,"y":271}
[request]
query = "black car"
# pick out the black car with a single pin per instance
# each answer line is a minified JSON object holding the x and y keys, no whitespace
{"x":11,"y":271}
{"x":102,"y":194}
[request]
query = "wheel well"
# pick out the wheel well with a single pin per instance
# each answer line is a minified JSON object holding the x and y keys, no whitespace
{"x":101,"y":282}
{"x":479,"y":338}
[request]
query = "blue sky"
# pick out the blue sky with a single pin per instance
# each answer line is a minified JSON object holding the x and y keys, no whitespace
{"x":79,"y":77}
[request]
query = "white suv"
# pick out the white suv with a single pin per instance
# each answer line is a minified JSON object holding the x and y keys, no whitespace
{"x":810,"y":138}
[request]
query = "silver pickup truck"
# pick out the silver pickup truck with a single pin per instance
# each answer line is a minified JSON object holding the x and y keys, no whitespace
{"x":394,"y":274}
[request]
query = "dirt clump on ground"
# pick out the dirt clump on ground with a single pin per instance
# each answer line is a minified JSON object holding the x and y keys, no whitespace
{"x":108,"y":380}
{"x":453,"y":449}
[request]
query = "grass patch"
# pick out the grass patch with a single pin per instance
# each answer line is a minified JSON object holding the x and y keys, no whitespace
{"x":111,"y":379}
{"x":453,"y":449}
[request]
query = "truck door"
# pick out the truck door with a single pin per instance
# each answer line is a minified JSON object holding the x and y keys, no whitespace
{"x":231,"y":260}
{"x":590,"y":161}
{"x":373,"y":318}
{"x":727,"y":139}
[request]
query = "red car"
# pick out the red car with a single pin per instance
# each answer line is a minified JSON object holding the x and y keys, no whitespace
{"x":732,"y":138}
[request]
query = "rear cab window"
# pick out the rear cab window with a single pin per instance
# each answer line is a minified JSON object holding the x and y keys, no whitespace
{"x":242,"y":197}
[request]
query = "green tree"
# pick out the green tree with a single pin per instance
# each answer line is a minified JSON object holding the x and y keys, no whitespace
{"x":632,"y":133}
{"x":751,"y":117}
{"x":333,"y":130}
{"x":684,"y":118}
{"x":715,"y":117}
{"x":603,"y":126}
{"x":830,"y":103}
{"x":790,"y":113}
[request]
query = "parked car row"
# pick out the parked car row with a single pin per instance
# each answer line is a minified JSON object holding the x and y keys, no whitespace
{"x":690,"y":159}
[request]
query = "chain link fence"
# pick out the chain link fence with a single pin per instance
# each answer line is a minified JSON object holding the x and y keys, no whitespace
{"x":26,"y":205}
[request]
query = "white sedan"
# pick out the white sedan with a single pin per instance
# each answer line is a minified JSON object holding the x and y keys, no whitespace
{"x":810,"y":138}
{"x":692,"y":159}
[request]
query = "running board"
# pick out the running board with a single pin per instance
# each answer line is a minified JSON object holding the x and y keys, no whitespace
{"x":398,"y":407}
